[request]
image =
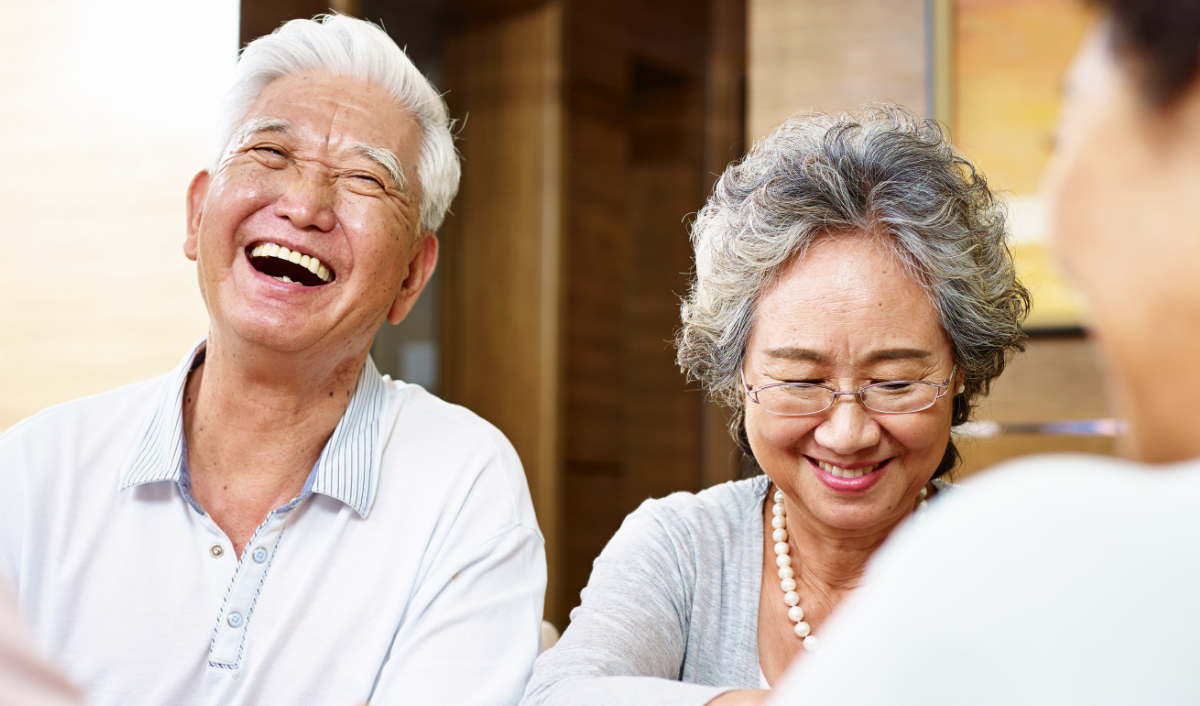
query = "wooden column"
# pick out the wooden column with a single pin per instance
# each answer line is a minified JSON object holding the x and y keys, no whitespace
{"x":502,"y":251}
{"x":724,"y":142}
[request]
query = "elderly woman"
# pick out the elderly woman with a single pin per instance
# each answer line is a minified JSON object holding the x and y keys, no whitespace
{"x":853,"y":298}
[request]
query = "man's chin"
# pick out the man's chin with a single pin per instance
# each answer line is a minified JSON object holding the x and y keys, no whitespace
{"x":269,"y":335}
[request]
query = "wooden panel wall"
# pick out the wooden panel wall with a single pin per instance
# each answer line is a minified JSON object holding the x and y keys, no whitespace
{"x":501,"y":257}
{"x":724,"y":142}
{"x":822,"y":55}
{"x":649,"y":114}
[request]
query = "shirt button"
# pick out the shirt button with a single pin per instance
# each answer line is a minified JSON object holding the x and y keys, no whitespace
{"x":260,"y":555}
{"x":216,"y":550}
{"x":235,"y":620}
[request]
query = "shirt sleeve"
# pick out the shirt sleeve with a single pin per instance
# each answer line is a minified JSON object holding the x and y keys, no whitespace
{"x":472,"y":628}
{"x":626,"y":641}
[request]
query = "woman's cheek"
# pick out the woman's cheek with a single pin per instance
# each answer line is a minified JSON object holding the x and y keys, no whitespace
{"x":919,"y":437}
{"x":774,"y":438}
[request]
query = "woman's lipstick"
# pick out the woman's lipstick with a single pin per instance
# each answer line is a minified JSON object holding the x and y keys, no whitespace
{"x":849,"y":485}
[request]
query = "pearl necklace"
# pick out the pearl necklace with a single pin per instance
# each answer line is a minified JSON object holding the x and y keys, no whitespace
{"x":787,"y":579}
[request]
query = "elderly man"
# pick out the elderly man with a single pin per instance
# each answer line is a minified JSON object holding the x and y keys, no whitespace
{"x":273,"y":522}
{"x":1072,"y":580}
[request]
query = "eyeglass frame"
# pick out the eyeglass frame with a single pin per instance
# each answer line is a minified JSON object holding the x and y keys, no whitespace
{"x":942,"y":387}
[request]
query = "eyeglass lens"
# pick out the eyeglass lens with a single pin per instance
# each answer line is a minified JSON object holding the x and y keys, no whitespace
{"x":890,"y":397}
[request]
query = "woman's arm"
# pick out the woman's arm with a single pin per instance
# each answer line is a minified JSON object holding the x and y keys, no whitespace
{"x":627,"y":641}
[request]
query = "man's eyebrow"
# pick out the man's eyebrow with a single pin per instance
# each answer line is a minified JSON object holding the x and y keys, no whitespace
{"x":384,"y":158}
{"x":259,"y":124}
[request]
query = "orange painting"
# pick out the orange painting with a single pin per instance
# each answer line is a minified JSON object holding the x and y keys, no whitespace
{"x":1010,"y":58}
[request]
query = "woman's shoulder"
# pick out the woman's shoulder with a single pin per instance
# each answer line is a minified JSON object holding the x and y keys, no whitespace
{"x":726,"y":510}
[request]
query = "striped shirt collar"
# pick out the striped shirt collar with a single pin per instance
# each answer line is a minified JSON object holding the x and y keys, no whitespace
{"x":347,"y":469}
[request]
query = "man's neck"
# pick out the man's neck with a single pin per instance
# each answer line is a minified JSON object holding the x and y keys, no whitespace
{"x":254,"y":432}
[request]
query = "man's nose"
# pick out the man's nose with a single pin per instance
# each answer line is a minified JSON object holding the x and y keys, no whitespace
{"x":848,"y":427}
{"x":308,"y":200}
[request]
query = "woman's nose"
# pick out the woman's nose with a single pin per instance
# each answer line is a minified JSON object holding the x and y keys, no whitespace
{"x":307,"y":200}
{"x":848,"y":427}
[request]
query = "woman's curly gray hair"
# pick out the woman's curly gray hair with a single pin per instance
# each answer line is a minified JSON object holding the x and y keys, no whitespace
{"x":882,"y":171}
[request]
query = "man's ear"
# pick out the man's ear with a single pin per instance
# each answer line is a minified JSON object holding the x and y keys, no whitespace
{"x":420,"y":269}
{"x":197,"y":192}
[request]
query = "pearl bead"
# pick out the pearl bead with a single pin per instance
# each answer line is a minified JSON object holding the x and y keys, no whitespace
{"x":786,"y":574}
{"x":924,"y":493}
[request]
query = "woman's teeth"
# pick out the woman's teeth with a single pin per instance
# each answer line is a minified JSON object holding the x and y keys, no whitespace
{"x":840,"y":472}
{"x":312,"y":264}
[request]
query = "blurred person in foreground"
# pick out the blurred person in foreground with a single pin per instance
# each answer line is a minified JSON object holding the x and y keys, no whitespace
{"x":1073,"y":579}
{"x":853,"y":299}
{"x":25,"y":678}
{"x":273,"y":522}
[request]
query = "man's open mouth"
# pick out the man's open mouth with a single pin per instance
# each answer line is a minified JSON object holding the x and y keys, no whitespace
{"x":289,"y":266}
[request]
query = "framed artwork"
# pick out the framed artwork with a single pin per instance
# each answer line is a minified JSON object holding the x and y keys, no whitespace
{"x":997,"y":78}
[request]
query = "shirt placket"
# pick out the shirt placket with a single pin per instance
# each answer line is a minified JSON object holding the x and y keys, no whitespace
{"x":233,"y":622}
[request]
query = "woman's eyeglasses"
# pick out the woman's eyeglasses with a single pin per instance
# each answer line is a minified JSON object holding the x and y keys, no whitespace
{"x":797,"y":399}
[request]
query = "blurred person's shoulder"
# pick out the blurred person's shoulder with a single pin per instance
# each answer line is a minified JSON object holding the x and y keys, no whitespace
{"x":1051,"y":579}
{"x":1067,"y":502}
{"x":1053,"y":488}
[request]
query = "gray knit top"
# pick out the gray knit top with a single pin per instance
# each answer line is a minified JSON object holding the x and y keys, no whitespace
{"x":670,"y":614}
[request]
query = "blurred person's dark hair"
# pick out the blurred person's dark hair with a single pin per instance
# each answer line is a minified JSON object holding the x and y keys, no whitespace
{"x":1160,"y":39}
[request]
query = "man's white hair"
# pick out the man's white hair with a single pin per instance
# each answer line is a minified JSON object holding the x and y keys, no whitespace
{"x":358,"y":50}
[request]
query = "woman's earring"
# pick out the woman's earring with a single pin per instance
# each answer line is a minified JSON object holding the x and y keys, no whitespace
{"x":962,"y":389}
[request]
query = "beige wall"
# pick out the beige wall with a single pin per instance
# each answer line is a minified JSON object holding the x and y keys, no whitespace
{"x":831,"y":55}
{"x":106,"y":111}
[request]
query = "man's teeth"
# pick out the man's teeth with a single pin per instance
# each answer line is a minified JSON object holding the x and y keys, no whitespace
{"x":840,"y":472}
{"x":312,"y":264}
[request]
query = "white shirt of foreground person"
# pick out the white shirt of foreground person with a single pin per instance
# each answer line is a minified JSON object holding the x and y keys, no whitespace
{"x":1056,"y":580}
{"x":26,"y":680}
{"x":411,"y":553}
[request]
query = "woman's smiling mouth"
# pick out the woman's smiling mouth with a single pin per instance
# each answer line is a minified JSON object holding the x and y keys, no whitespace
{"x":848,"y":480}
